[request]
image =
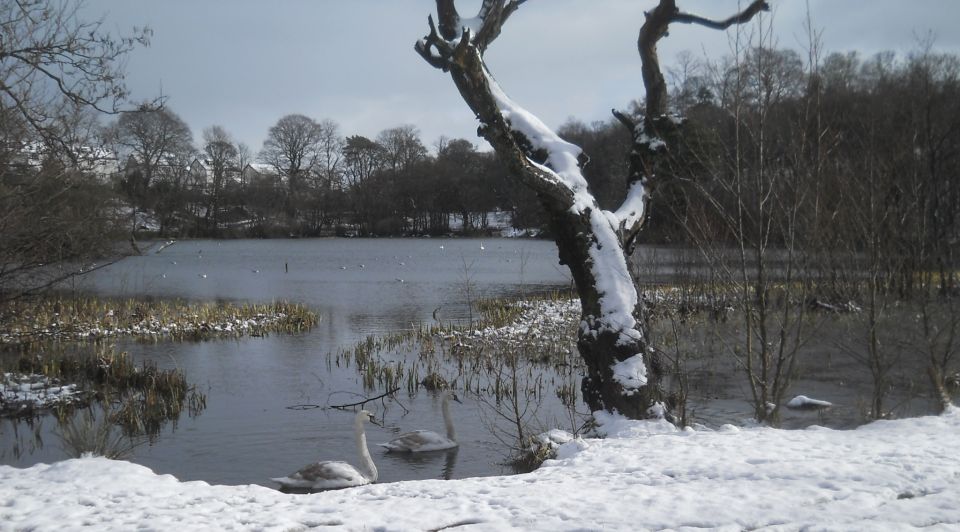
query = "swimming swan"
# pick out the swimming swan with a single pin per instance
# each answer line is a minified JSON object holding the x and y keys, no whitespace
{"x":421,"y":441}
{"x":335,"y":475}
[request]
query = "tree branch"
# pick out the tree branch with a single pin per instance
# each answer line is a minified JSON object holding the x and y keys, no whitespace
{"x":449,"y":19}
{"x":527,"y":158}
{"x":740,"y":18}
{"x":365,"y":401}
{"x":655,"y":28}
{"x":653,"y":136}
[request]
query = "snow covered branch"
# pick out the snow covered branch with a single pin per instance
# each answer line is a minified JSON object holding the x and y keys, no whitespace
{"x":484,"y":28}
{"x":530,"y":149}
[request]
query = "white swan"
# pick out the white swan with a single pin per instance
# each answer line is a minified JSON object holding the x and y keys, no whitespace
{"x":421,"y":441}
{"x":335,"y":475}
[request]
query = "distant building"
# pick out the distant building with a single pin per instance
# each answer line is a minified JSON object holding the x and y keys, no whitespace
{"x":254,"y":171}
{"x":170,"y":168}
{"x":97,"y":162}
{"x":199,"y":175}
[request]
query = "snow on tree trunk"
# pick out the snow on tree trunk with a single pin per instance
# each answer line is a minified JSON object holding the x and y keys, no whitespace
{"x":622,"y":374}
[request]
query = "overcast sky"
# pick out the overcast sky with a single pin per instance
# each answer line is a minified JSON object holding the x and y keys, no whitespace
{"x":243,"y":64}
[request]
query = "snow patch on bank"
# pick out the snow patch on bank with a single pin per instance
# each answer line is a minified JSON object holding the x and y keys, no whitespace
{"x":147,"y":328}
{"x":888,"y":475}
{"x":542,"y":324}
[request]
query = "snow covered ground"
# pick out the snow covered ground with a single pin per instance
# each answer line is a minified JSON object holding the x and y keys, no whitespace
{"x":889,"y":475}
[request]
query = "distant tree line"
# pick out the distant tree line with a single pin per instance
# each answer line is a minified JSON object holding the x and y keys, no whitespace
{"x":812,"y":185}
{"x":307,"y":180}
{"x":852,"y":157}
{"x":853,"y":162}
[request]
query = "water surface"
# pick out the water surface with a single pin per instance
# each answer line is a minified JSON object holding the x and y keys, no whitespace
{"x":250,"y":430}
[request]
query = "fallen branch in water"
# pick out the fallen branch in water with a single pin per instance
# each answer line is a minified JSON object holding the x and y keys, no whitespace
{"x":365,"y":401}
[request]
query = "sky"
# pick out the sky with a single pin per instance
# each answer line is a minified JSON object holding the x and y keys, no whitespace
{"x":243,"y":64}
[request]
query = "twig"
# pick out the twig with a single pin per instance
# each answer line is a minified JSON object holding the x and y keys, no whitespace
{"x":365,"y":401}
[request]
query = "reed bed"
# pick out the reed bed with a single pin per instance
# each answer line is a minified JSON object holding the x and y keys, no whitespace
{"x":141,"y":399}
{"x":535,"y":336}
{"x":25,"y":323}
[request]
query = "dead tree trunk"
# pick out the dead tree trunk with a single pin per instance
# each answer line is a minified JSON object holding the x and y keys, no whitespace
{"x":623,"y":374}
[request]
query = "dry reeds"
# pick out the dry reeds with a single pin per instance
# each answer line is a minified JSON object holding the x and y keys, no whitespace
{"x":90,"y":319}
{"x":141,"y":399}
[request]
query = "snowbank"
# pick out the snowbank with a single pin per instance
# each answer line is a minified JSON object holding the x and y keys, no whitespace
{"x":645,"y":475}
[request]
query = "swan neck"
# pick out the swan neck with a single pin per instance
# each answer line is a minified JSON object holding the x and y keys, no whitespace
{"x":447,"y":420}
{"x":368,"y":468}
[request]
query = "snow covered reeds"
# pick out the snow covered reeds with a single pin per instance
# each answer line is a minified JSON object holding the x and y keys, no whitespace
{"x":140,"y":399}
{"x":516,"y":357}
{"x":84,"y":319}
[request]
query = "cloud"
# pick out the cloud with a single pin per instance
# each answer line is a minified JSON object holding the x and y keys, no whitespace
{"x":246,"y":63}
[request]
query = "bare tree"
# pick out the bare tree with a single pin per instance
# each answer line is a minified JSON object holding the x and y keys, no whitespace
{"x":402,"y":147}
{"x":55,"y":67}
{"x":150,"y":143}
{"x":328,"y":165}
{"x":221,"y":154}
{"x":404,"y":156}
{"x":151,"y":138}
{"x":322,"y":197}
{"x":244,"y":158}
{"x":51,"y":58}
{"x":292,"y":147}
{"x":363,"y":159}
{"x":594,"y":243}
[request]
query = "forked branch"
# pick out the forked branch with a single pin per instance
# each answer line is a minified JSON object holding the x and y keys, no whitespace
{"x":653,"y":136}
{"x":457,"y":46}
{"x":484,"y":28}
{"x":655,"y":28}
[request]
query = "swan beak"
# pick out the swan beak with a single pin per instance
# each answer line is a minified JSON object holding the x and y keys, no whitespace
{"x":457,"y":399}
{"x":373,"y":421}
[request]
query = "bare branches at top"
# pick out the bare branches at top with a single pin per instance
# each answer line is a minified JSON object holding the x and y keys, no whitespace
{"x":457,"y":32}
{"x":652,"y":137}
{"x":50,"y":57}
{"x":457,"y":46}
{"x":655,"y":28}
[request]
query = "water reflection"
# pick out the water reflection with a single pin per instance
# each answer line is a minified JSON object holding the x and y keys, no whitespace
{"x":426,"y":462}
